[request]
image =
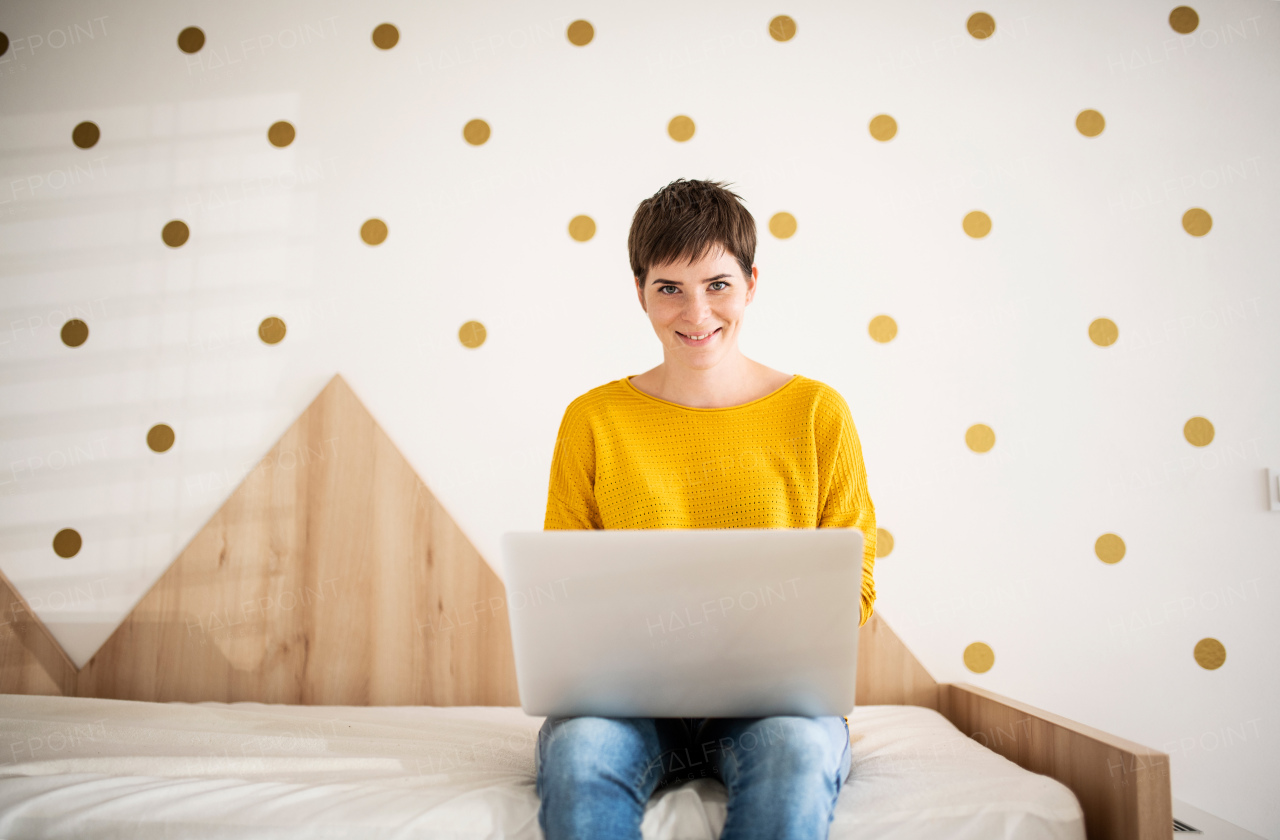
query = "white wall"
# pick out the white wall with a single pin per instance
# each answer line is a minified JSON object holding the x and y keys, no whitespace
{"x":994,"y":547}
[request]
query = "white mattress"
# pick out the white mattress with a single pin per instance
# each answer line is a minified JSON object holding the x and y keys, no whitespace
{"x":84,"y":767}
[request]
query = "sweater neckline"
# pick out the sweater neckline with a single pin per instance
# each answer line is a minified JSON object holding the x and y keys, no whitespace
{"x":626,"y":381}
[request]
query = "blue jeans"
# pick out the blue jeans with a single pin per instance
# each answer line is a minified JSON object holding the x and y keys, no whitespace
{"x":783,"y":774}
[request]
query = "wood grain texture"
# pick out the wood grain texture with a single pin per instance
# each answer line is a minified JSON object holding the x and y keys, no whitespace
{"x":888,"y":673}
{"x":31,"y":660}
{"x":1124,"y":788}
{"x":331,"y":576}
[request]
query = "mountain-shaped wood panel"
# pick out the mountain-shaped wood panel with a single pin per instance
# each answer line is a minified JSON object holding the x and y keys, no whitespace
{"x":31,"y":660}
{"x":888,"y":672}
{"x":331,"y":576}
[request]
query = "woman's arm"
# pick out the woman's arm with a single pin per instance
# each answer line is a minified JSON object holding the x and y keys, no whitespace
{"x":571,"y":498}
{"x":846,"y":500}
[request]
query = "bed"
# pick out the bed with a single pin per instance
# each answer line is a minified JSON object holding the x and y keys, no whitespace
{"x":139,"y":769}
{"x":331,"y":657}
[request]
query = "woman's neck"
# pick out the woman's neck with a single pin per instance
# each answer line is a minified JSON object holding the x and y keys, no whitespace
{"x":717,"y":387}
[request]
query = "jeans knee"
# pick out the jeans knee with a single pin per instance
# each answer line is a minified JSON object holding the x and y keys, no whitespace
{"x":785,"y":747}
{"x":582,"y":749}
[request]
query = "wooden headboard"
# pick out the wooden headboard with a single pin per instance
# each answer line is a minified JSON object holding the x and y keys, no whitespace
{"x":333,"y":576}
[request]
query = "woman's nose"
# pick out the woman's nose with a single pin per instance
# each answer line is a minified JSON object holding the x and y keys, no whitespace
{"x":695,"y":308}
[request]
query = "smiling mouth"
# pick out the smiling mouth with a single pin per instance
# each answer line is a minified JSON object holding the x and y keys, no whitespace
{"x":706,"y":335}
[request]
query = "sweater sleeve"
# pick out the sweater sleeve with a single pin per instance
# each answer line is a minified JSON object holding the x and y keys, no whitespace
{"x":846,"y":502}
{"x":571,"y":498}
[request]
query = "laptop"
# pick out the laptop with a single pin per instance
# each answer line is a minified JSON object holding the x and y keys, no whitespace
{"x":696,"y":622}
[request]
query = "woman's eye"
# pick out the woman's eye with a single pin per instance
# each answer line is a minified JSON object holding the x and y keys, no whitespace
{"x":720,"y":283}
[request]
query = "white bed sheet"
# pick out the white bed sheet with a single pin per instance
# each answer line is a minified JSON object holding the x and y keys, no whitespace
{"x":75,"y":767}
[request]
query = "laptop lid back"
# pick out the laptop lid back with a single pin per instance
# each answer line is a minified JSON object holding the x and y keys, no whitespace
{"x":685,"y":622}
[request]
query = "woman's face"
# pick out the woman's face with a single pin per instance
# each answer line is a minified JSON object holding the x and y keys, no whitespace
{"x":709,"y":296}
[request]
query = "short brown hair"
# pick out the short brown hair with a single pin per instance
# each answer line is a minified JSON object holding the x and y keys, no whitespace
{"x":686,"y":219}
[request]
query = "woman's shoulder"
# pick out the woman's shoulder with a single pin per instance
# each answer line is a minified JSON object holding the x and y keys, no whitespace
{"x":594,"y":400}
{"x":829,"y":407}
{"x":819,"y":391}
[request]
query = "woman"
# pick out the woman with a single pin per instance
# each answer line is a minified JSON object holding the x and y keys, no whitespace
{"x":707,"y":439}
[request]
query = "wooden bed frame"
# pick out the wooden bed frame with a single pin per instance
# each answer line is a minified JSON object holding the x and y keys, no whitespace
{"x":333,"y":576}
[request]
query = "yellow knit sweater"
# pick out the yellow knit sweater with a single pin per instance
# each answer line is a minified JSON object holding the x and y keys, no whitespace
{"x":791,"y":459}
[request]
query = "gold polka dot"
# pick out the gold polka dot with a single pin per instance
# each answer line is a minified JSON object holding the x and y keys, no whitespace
{"x":85,"y":135}
{"x":979,"y":657}
{"x":476,"y":132}
{"x":281,"y":134}
{"x":680,"y":128}
{"x":582,"y":228}
{"x":977,"y":224}
{"x":981,"y":25}
{"x":66,"y":543}
{"x":374,"y":232}
{"x":782,"y":225}
{"x":1090,"y":123}
{"x":175,"y":234}
{"x":883,"y":127}
{"x":1103,"y":332}
{"x":883,"y":328}
{"x":1198,"y":431}
{"x":980,"y":437}
{"x":782,"y":28}
{"x":1197,"y":222}
{"x":1210,"y":654}
{"x":1184,"y":20}
{"x":472,"y":334}
{"x":191,"y":39}
{"x":385,"y":36}
{"x":160,"y":438}
{"x":4,"y":43}
{"x":1109,"y":548}
{"x":271,"y":330}
{"x":75,"y":332}
{"x":884,"y":543}
{"x":580,"y":33}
